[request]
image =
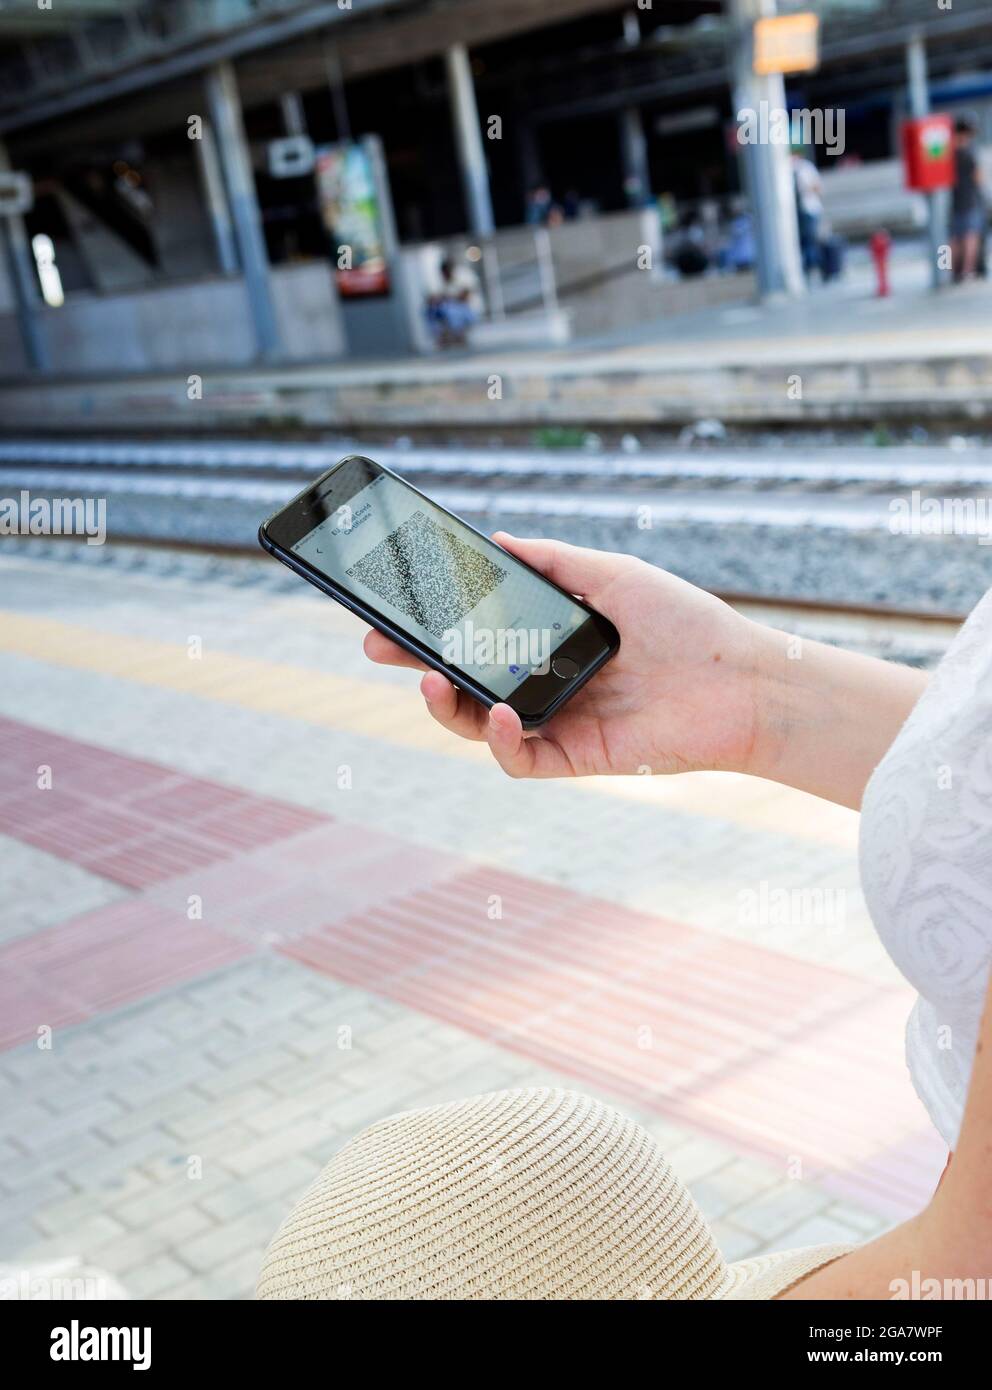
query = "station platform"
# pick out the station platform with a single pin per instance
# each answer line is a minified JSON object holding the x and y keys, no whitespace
{"x":265,"y":901}
{"x":840,"y":354}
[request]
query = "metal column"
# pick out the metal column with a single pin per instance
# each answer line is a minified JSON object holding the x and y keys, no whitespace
{"x":919,"y":105}
{"x":633,"y":142}
{"x":293,"y":116}
{"x":339,"y":99}
{"x":471,"y":155}
{"x":224,"y":105}
{"x":212,"y":183}
{"x":768,"y":168}
{"x":634,"y":149}
{"x":24,"y":283}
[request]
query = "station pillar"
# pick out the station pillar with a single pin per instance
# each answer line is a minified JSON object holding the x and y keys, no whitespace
{"x":224,"y":105}
{"x":468,"y":138}
{"x":768,"y":174}
{"x":634,"y":152}
{"x":212,"y":184}
{"x":918,"y":85}
{"x":633,"y":141}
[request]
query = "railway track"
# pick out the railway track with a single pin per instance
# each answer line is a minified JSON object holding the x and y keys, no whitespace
{"x":817,"y":528}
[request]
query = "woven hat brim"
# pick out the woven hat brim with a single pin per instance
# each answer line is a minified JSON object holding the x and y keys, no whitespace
{"x":766,"y":1276}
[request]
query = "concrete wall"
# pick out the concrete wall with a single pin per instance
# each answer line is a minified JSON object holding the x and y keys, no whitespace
{"x":189,"y":326}
{"x":599,"y":280}
{"x":597,"y":245}
{"x":180,"y":227}
{"x":636,"y":297}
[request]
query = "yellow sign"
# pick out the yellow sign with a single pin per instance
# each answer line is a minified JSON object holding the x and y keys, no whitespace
{"x":786,"y":43}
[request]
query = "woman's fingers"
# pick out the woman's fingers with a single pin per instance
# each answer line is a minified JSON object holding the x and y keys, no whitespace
{"x":457,"y":712}
{"x":517,"y":754}
{"x":571,"y":567}
{"x":576,"y":570}
{"x":520,"y":756}
{"x":383,"y":650}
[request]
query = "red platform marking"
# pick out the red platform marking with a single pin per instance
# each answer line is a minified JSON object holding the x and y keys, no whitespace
{"x":772,"y":1055}
{"x":127,"y":819}
{"x":102,"y":960}
{"x":298,"y":885}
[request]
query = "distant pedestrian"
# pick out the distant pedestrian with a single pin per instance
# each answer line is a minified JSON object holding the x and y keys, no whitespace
{"x":809,"y":207}
{"x":687,"y":249}
{"x":968,"y":211}
{"x":737,"y":252}
{"x":571,"y":205}
{"x":454,"y":303}
{"x":539,"y":205}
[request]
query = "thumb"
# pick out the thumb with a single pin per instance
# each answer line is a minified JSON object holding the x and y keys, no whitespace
{"x":572,"y":567}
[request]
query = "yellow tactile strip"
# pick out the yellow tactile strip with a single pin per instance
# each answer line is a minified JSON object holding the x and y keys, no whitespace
{"x":374,"y":708}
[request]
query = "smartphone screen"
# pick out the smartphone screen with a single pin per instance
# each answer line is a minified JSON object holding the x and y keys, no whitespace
{"x":443,"y":583}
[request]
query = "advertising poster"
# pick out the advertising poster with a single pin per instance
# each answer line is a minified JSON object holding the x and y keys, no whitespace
{"x":349,"y":206}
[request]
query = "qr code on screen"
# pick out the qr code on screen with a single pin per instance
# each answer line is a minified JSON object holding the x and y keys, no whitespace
{"x":428,"y":573}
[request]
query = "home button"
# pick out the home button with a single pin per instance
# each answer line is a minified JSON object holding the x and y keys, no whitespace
{"x":565,"y":668}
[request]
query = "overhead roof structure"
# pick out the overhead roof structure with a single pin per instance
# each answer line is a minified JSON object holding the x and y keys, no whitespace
{"x":83,"y":54}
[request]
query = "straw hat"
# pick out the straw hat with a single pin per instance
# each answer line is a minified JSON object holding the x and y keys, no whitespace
{"x":525,"y":1194}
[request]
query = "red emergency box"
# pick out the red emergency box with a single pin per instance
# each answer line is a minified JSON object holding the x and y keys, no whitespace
{"x":928,"y":153}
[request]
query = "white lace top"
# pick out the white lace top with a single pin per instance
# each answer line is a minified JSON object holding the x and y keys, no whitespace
{"x":926,"y":866}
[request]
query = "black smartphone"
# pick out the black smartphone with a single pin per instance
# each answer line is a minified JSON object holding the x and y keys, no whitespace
{"x":440,"y":589}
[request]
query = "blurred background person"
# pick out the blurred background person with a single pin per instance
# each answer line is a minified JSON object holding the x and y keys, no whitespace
{"x":737,"y":251}
{"x":809,"y":206}
{"x":454,"y":304}
{"x":968,"y":212}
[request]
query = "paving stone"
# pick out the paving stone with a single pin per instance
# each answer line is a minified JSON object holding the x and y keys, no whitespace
{"x":285,"y":1143}
{"x":25,"y":1204}
{"x":869,"y":1223}
{"x":251,"y":1103}
{"x":9,"y":1153}
{"x":135,"y":1249}
{"x":780,"y":1210}
{"x":490,"y":1075}
{"x":734,"y":1185}
{"x":138,"y":1150}
{"x":734,"y":1243}
{"x":67,"y":1155}
{"x":819,"y":1230}
{"x":262,"y":1066}
{"x":700,"y":1158}
{"x":17,"y":1235}
{"x":321,"y":1099}
{"x":154,"y":1278}
{"x":223,"y":1241}
{"x":41,"y":890}
{"x":166,"y":1105}
{"x":54,"y":1128}
{"x":288,"y":1178}
{"x":320,"y":1038}
{"x":82,"y":1240}
{"x":242,"y":1067}
{"x":456,"y":1060}
{"x":170,"y":1194}
{"x":306,"y":1072}
{"x":371,"y":1071}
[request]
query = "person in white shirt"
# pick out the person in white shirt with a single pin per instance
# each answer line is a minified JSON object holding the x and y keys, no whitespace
{"x":809,"y":207}
{"x":696,"y":685}
{"x":455,"y":303}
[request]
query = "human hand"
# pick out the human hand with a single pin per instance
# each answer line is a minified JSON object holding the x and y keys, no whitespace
{"x":679,"y":695}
